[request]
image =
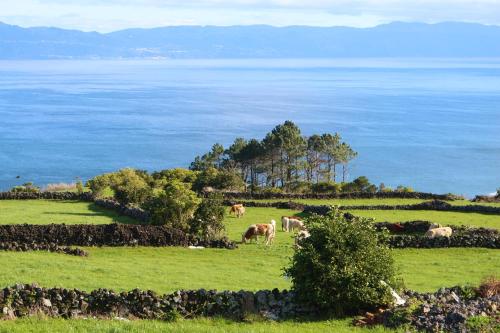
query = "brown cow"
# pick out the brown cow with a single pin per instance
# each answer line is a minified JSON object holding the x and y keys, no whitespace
{"x":255,"y":230}
{"x":238,"y":210}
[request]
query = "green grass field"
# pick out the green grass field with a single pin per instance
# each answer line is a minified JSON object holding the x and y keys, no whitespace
{"x":251,"y":266}
{"x":49,"y":211}
{"x":452,"y":218}
{"x":372,"y":202}
{"x":347,"y":202}
{"x":34,"y":325}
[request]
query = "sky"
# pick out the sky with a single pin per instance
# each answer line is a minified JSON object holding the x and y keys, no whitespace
{"x":112,"y":15}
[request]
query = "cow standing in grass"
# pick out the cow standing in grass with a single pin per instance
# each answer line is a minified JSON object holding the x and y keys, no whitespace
{"x":290,"y":223}
{"x":256,"y":230}
{"x":238,"y":210}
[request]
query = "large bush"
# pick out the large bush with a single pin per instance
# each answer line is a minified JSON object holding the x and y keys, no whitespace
{"x":207,"y":221}
{"x":326,"y":187}
{"x":218,"y":179}
{"x":174,"y":205}
{"x":99,"y":184}
{"x":130,"y":186}
{"x":26,"y":187}
{"x":339,"y":268}
{"x":360,"y":184}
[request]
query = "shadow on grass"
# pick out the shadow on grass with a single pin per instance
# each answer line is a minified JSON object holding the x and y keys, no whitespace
{"x":96,"y":211}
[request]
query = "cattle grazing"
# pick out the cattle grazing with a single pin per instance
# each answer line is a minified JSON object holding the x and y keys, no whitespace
{"x":294,"y":224}
{"x":238,"y":210}
{"x":256,"y":230}
{"x":285,"y":222}
{"x":439,"y":232}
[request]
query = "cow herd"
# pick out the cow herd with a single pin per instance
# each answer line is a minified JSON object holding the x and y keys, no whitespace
{"x":268,"y":231}
{"x":295,"y":223}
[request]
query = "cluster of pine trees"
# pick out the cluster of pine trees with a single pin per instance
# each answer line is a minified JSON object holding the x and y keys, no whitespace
{"x":283,"y":159}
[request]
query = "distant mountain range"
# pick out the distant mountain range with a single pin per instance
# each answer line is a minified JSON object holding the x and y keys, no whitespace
{"x":258,"y":41}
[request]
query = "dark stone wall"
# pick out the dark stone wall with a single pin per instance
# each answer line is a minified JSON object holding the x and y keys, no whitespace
{"x":428,"y":205}
{"x":46,"y":195}
{"x":134,"y":212}
{"x":105,"y":235}
{"x":25,"y":300}
{"x":356,"y":195}
{"x":51,"y":247}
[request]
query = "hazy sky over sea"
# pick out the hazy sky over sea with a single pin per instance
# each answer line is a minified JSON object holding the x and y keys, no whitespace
{"x":111,"y":15}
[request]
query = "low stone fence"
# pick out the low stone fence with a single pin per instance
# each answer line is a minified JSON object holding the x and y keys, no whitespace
{"x":133,"y":212}
{"x":428,"y":205}
{"x":105,"y":235}
{"x":486,"y":198}
{"x":46,"y":196}
{"x":354,"y":195}
{"x":25,"y":300}
{"x":446,"y":310}
{"x":25,"y":247}
{"x":411,"y":235}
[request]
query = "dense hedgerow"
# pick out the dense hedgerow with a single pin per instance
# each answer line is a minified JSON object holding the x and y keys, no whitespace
{"x":339,"y":268}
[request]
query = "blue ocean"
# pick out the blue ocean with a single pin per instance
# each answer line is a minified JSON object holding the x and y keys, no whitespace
{"x":433,"y":124}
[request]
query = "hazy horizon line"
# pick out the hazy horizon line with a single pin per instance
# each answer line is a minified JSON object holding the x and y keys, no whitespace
{"x":250,"y":25}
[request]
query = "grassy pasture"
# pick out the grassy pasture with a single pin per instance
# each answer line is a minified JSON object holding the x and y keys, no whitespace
{"x":51,"y":211}
{"x":373,"y":202}
{"x":252,"y":267}
{"x":201,"y":325}
{"x":453,"y":218}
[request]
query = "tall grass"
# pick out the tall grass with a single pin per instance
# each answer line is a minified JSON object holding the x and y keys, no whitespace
{"x":59,"y":187}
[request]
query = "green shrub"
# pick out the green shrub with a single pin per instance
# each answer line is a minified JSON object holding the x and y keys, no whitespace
{"x":79,"y":186}
{"x":174,"y":205}
{"x":339,"y":268}
{"x":26,"y":187}
{"x":482,"y":324}
{"x":218,"y":179}
{"x":130,"y":186}
{"x":404,"y":189}
{"x":180,"y":174}
{"x":326,"y":187}
{"x":299,"y":187}
{"x":360,"y":184}
{"x":207,"y":221}
{"x":99,"y":184}
{"x":269,"y":190}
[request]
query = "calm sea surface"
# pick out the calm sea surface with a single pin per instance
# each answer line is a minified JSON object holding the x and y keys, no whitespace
{"x":431,"y":124}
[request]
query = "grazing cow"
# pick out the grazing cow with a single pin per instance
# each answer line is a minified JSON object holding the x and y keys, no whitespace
{"x":439,"y":232}
{"x":238,"y":210}
{"x":303,"y":234}
{"x":294,"y":224}
{"x":285,"y":222}
{"x":255,"y":230}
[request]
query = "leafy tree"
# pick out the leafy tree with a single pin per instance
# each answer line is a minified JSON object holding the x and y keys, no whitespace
{"x":331,"y":146}
{"x":339,"y":268}
{"x":292,"y":146}
{"x":207,"y":221}
{"x":174,"y":205}
{"x":180,"y":174}
{"x":345,"y":155}
{"x":214,"y":158}
{"x":99,"y":183}
{"x":130,"y":186}
{"x":79,"y":186}
{"x":315,"y":147}
{"x":360,"y":184}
